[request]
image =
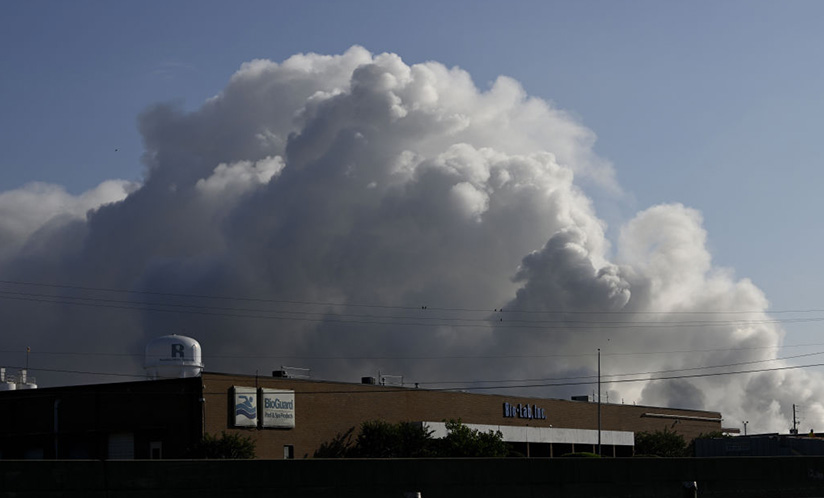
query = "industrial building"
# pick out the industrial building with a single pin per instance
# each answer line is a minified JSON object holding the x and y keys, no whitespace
{"x":762,"y":445}
{"x":291,"y":417}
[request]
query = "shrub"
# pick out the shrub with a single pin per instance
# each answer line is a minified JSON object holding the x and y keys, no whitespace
{"x":461,"y":441}
{"x":339,"y":447}
{"x":379,"y":439}
{"x":665,"y":443}
{"x":227,"y":446}
{"x":581,"y":454}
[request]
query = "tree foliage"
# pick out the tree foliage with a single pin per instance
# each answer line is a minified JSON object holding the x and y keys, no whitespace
{"x":713,"y":435}
{"x":461,"y":441}
{"x":338,"y":447}
{"x":380,"y":439}
{"x":665,"y":443}
{"x":581,"y":454}
{"x":227,"y":446}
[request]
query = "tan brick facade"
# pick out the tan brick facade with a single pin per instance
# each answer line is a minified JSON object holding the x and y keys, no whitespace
{"x":324,"y":409}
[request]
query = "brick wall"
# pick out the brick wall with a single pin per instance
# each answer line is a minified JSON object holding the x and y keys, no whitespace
{"x":323,"y":409}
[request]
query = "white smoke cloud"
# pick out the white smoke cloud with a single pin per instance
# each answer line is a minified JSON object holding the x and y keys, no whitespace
{"x":237,"y":178}
{"x":36,"y":206}
{"x":356,"y":180}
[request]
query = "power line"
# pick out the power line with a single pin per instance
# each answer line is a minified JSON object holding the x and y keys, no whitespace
{"x":674,"y":377}
{"x":488,"y":388}
{"x":360,"y":319}
{"x":609,"y":378}
{"x":622,"y":381}
{"x":405,"y":307}
{"x":606,"y":378}
{"x":408,"y":357}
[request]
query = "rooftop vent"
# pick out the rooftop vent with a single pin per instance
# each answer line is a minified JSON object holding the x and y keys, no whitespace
{"x":292,"y":373}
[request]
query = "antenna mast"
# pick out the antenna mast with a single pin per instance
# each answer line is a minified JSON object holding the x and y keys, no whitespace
{"x":794,"y":430}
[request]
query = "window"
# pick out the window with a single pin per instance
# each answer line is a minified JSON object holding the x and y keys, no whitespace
{"x":121,"y":446}
{"x":156,"y":450}
{"x":288,"y":451}
{"x":33,"y":453}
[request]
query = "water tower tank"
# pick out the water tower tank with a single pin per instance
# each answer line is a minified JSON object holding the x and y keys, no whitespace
{"x":24,"y":381}
{"x":6,"y":381}
{"x":173,"y":356}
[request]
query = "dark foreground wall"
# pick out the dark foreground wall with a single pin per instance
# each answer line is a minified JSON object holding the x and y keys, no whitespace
{"x":520,"y":478}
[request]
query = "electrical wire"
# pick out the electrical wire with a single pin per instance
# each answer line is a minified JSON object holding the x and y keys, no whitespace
{"x":607,"y":378}
{"x":420,"y":358}
{"x":406,"y":307}
{"x":488,"y":388}
{"x":604,"y":378}
{"x":494,"y":317}
{"x":360,"y":319}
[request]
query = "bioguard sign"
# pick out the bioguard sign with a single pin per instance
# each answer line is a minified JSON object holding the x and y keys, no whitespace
{"x":278,"y":408}
{"x":267,"y":408}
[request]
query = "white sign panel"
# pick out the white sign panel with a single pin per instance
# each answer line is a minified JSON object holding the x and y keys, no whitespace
{"x":278,"y":408}
{"x":245,"y":407}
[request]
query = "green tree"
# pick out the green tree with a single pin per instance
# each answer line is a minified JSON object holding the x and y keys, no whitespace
{"x":379,"y":439}
{"x":227,"y":446}
{"x":461,"y":441}
{"x":581,"y":454}
{"x":339,"y":447}
{"x":665,"y":443}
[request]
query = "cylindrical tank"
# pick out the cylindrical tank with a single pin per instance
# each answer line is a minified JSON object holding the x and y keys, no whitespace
{"x":173,"y":356}
{"x":24,"y":381}
{"x":6,"y":382}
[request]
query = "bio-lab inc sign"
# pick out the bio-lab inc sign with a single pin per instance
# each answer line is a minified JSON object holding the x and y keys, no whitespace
{"x":266,"y":408}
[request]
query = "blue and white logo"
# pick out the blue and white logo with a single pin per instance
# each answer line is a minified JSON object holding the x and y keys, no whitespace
{"x":245,"y":407}
{"x":246,"y":410}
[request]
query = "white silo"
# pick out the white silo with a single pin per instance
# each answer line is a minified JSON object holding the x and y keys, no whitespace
{"x":173,"y":356}
{"x":6,"y":381}
{"x":24,"y":381}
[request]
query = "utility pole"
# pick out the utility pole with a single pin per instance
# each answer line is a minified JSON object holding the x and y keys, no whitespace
{"x":599,"y":401}
{"x":745,"y":426}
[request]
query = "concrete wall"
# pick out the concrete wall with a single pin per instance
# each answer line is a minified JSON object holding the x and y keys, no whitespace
{"x":523,"y":478}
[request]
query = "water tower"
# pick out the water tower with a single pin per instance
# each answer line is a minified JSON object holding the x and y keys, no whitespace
{"x":6,"y":381}
{"x":173,"y":357}
{"x":24,"y":381}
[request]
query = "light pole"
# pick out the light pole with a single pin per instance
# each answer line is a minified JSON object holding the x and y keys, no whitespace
{"x":599,"y":401}
{"x":745,"y":426}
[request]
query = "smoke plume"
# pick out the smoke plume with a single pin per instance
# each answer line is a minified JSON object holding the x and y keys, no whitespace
{"x":353,"y":214}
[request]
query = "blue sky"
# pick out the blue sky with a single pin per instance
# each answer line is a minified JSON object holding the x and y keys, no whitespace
{"x":716,"y":105}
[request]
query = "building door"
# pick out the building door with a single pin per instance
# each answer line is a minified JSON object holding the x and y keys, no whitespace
{"x":156,"y":450}
{"x":121,"y":446}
